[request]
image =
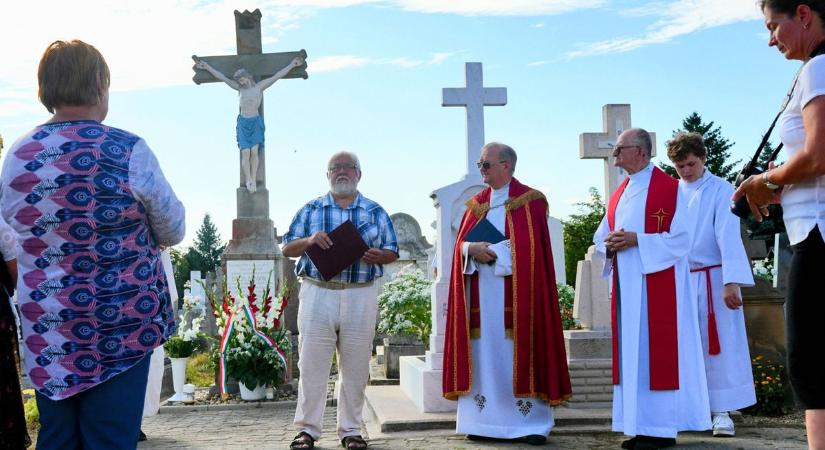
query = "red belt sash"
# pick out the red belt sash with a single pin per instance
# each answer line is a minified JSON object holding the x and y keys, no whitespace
{"x":713,"y":335}
{"x":663,"y":339}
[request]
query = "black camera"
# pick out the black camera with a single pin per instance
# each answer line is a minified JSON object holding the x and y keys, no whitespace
{"x":740,"y":207}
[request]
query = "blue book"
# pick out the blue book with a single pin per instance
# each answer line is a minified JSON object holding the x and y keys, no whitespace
{"x":484,"y":231}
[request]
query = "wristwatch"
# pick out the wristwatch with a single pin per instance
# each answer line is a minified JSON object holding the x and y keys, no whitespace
{"x":768,"y":183}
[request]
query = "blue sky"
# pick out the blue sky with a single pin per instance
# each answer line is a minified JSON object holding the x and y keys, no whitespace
{"x":376,"y":69}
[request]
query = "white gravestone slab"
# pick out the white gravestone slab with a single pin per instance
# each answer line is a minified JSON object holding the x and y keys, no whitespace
{"x":240,"y":272}
{"x":196,"y":289}
{"x":421,"y":380}
{"x":557,"y":245}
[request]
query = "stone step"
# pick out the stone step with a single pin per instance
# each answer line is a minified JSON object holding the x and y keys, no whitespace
{"x":394,"y":412}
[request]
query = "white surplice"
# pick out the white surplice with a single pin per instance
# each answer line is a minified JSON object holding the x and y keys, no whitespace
{"x":637,"y":410}
{"x":491,"y":409}
{"x":717,"y":240}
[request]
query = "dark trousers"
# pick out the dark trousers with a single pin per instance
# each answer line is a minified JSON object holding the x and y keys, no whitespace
{"x":106,"y":416}
{"x":805,"y":324}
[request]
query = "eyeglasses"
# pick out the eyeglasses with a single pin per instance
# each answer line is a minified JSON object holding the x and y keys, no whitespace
{"x":338,"y":167}
{"x":486,"y":164}
{"x":617,"y":149}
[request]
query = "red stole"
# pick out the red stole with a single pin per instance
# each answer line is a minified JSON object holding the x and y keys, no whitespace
{"x":660,"y":207}
{"x":531,"y":311}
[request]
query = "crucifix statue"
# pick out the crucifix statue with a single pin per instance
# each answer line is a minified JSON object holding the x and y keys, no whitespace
{"x":616,"y":119}
{"x":240,"y":72}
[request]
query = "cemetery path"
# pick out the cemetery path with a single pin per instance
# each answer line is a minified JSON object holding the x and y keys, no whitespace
{"x":271,"y":428}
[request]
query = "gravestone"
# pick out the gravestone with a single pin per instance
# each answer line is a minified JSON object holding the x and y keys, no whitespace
{"x":253,"y":246}
{"x":412,"y":248}
{"x":615,"y":119}
{"x":764,"y":303}
{"x":557,"y":246}
{"x":421,"y":377}
{"x":589,"y":350}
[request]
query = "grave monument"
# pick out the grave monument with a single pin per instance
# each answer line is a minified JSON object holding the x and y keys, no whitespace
{"x":253,"y":245}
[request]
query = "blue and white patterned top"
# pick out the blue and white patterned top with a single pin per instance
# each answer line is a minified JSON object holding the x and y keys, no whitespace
{"x":90,"y":206}
{"x":323,"y":214}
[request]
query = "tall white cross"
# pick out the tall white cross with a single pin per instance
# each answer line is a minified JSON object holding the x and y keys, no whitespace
{"x":474,"y":97}
{"x":616,"y":119}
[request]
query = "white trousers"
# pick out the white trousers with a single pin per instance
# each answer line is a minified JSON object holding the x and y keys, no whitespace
{"x":329,"y":320}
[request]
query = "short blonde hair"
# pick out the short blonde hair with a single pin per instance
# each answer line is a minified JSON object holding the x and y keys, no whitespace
{"x":71,"y":73}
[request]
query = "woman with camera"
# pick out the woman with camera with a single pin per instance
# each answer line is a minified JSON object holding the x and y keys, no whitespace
{"x":797,"y":30}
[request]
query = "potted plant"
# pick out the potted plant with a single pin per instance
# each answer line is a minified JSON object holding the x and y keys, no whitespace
{"x":182,"y":345}
{"x":253,"y":341}
{"x":404,"y":315}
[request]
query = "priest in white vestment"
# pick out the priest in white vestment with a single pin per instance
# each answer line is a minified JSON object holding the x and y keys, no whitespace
{"x":659,"y":384}
{"x":512,"y":370}
{"x":719,"y":265}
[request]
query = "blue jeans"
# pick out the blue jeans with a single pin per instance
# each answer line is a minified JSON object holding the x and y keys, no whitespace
{"x":106,"y":416}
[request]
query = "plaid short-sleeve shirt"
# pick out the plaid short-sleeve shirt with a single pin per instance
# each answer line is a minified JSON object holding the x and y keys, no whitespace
{"x":323,"y":214}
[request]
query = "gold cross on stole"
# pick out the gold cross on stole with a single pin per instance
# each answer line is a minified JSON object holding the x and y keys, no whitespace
{"x":660,"y":216}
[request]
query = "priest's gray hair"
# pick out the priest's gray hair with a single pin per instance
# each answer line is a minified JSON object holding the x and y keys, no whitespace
{"x":642,"y":138}
{"x":505,"y":153}
{"x":350,"y":155}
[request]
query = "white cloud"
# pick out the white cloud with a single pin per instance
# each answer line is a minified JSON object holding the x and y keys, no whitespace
{"x":538,"y":25}
{"x":438,"y":58}
{"x":405,"y":62}
{"x":538,"y":63}
{"x":498,"y":7}
{"x":336,"y":62}
{"x":676,"y":18}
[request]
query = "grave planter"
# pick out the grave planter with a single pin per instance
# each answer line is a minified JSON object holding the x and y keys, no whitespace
{"x":251,"y":395}
{"x":397,"y":346}
{"x":178,"y":377}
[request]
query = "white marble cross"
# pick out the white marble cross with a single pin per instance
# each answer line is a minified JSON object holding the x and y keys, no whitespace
{"x":474,"y":97}
{"x":616,"y":119}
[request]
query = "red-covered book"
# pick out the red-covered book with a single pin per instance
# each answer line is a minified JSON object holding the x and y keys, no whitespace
{"x":347,"y":247}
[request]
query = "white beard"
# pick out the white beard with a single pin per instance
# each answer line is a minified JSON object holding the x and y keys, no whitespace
{"x":344,"y":188}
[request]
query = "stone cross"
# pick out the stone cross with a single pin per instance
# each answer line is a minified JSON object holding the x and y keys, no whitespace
{"x":616,"y":119}
{"x":474,"y":98}
{"x":260,"y":65}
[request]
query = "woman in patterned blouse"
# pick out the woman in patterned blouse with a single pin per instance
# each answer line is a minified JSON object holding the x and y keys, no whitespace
{"x":91,"y":209}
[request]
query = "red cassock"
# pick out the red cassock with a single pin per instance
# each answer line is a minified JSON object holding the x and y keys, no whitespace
{"x":531,"y":307}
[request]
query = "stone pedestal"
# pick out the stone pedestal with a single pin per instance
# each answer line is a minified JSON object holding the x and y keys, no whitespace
{"x":421,"y":377}
{"x":589,"y":350}
{"x":765,"y":321}
{"x":394,"y":348}
{"x":253,"y":244}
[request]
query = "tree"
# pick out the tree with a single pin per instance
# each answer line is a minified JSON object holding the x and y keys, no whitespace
{"x":180,"y":263}
{"x":207,"y":247}
{"x":717,"y":146}
{"x":578,"y":232}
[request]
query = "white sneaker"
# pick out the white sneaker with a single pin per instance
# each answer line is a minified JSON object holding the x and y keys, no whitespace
{"x":722,"y":424}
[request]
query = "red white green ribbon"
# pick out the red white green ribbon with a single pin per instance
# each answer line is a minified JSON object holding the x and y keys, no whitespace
{"x":227,"y":335}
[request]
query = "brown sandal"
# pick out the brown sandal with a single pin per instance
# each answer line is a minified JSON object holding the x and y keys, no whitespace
{"x":354,"y":443}
{"x":303,"y":441}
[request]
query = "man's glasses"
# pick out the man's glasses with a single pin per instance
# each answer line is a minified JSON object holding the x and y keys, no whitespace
{"x":486,"y":164}
{"x":338,"y":167}
{"x":617,"y":149}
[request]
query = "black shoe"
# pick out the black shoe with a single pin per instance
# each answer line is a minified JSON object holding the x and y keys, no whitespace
{"x":629,"y":444}
{"x":475,"y":437}
{"x":536,"y":439}
{"x":653,"y":443}
{"x":142,"y":436}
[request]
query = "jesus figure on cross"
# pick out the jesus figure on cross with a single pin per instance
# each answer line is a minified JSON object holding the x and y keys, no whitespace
{"x":250,"y":125}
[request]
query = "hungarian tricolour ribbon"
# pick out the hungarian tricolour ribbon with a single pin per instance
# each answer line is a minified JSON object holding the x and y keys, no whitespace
{"x":227,"y":336}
